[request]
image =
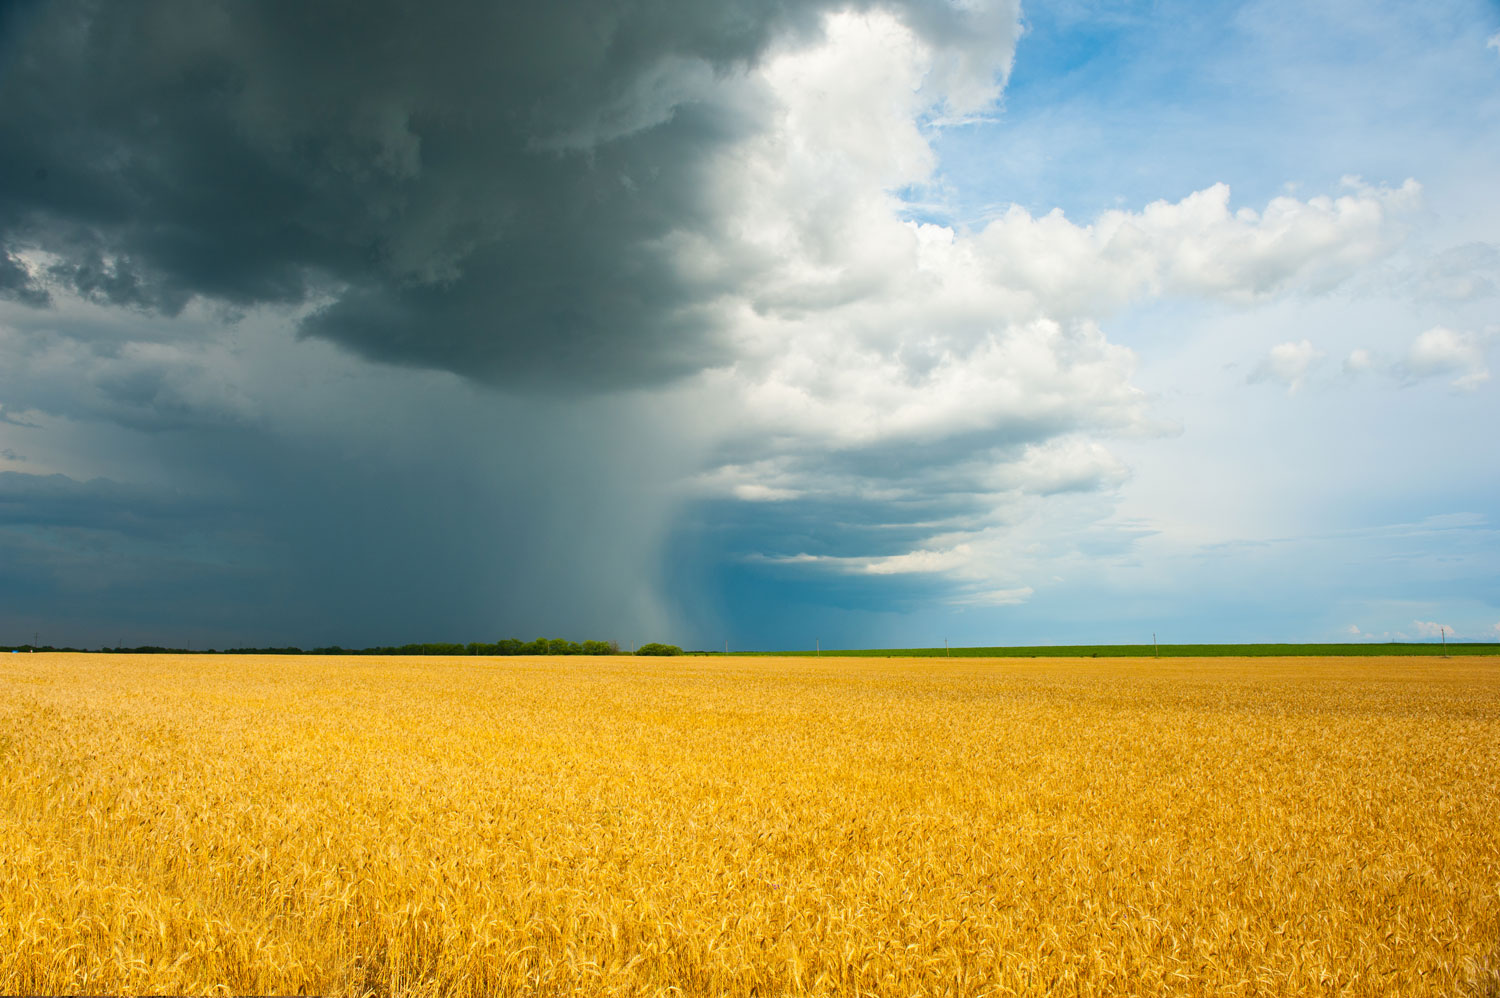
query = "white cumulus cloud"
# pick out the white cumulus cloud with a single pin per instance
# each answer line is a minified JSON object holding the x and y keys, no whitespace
{"x":996,"y":597}
{"x":911,"y":562}
{"x":1066,"y":464}
{"x":1432,"y":629}
{"x":975,"y":361}
{"x":1440,"y":352}
{"x":1359,"y":361}
{"x":1288,"y":364}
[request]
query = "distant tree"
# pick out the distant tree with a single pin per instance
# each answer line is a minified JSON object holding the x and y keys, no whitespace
{"x":509,"y":646}
{"x":655,"y":648}
{"x":597,"y":648}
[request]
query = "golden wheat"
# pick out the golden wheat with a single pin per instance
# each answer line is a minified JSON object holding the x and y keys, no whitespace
{"x":200,"y":825}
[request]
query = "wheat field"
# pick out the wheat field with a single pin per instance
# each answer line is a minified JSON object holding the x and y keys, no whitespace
{"x":740,"y":826}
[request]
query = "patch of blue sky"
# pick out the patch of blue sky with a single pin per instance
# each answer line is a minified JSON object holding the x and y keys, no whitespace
{"x":1119,"y":105}
{"x":925,"y":204}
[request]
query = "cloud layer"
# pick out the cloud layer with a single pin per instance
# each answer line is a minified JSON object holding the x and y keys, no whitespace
{"x":481,"y":188}
{"x":599,"y":312}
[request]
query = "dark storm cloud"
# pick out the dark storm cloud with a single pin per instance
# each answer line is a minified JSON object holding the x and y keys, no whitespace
{"x":734,"y":566}
{"x":759,"y":604}
{"x":271,"y":492}
{"x":473,"y":186}
{"x":492,"y":190}
{"x":839,"y":527}
{"x":54,"y":501}
{"x":104,"y":562}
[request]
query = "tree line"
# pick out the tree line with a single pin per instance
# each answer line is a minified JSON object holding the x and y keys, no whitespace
{"x":507,"y":646}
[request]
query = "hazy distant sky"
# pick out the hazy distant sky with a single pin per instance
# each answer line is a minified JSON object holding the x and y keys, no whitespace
{"x":758,"y":321}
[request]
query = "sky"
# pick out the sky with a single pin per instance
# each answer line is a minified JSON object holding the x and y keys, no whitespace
{"x":756,"y":323}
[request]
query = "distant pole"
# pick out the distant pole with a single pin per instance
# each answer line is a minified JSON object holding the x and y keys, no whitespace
{"x":1155,"y":648}
{"x":726,"y":646}
{"x":818,"y":645}
{"x":1445,"y":642}
{"x":946,"y":651}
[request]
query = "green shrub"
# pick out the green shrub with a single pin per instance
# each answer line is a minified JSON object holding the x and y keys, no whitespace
{"x":655,"y":648}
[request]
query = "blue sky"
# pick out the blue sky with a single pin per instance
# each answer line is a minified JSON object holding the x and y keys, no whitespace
{"x":1121,"y":104}
{"x":753,"y":323}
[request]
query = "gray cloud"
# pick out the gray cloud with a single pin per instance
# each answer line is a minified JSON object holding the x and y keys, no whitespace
{"x":316,"y":498}
{"x":57,"y":500}
{"x":477,"y":187}
{"x":17,"y":284}
{"x":100,"y":561}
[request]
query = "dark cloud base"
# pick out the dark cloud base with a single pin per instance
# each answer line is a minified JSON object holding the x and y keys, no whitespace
{"x":477,"y":187}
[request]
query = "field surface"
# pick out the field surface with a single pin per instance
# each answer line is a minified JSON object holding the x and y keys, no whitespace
{"x":739,"y":826}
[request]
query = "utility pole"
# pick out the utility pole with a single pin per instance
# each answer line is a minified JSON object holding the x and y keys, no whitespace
{"x":947,"y":652}
{"x":726,"y":646}
{"x":818,"y":645}
{"x":1155,"y":648}
{"x":1445,"y":642}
